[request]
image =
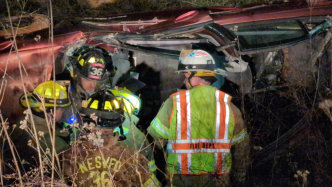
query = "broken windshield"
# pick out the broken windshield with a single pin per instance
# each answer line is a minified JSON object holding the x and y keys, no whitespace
{"x":262,"y":35}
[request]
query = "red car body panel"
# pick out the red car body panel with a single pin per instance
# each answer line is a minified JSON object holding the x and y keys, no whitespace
{"x":271,"y":13}
{"x":36,"y":59}
{"x":156,"y":22}
{"x":59,"y":40}
{"x":38,"y":56}
{"x":198,"y":18}
{"x":32,"y":52}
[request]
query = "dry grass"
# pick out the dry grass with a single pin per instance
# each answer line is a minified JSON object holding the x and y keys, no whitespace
{"x":49,"y":171}
{"x":117,"y":166}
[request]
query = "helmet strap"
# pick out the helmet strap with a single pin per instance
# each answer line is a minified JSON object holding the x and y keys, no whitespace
{"x":189,"y":79}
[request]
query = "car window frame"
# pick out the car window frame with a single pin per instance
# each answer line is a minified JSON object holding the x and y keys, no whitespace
{"x":272,"y":47}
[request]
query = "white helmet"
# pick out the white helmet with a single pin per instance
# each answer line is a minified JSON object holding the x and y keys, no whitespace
{"x":198,"y":61}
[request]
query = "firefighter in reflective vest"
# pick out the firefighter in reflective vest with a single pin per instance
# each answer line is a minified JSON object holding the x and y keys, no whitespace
{"x":203,"y":132}
{"x":117,"y":148}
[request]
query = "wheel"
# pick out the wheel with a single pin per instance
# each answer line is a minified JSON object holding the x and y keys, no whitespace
{"x":25,"y":24}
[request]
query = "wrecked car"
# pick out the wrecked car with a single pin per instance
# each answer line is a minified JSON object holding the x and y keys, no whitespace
{"x":152,"y":42}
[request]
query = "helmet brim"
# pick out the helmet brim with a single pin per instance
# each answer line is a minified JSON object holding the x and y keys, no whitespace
{"x":36,"y":103}
{"x":103,"y":79}
{"x":217,"y":71}
{"x":33,"y":102}
{"x":115,"y":119}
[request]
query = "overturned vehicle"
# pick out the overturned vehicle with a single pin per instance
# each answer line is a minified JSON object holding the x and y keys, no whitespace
{"x":154,"y":40}
{"x":257,"y":48}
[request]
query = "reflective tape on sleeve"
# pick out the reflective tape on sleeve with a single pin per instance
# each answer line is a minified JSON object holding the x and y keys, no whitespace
{"x":239,"y":137}
{"x":160,"y":128}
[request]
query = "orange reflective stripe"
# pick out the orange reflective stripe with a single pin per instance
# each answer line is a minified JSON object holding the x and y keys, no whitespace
{"x":219,"y":163}
{"x":184,"y":129}
{"x":200,"y":145}
{"x":222,"y":115}
{"x":184,"y":163}
{"x":183,"y":106}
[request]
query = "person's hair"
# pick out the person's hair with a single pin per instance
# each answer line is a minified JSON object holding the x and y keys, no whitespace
{"x":210,"y":79}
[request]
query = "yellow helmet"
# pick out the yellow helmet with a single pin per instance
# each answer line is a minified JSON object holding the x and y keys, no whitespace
{"x":45,"y":92}
{"x":106,"y":106}
{"x":110,"y":106}
{"x":131,"y":102}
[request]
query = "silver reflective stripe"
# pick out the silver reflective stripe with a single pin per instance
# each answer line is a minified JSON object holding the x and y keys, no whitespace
{"x":237,"y":139}
{"x":178,"y":116}
{"x":215,"y":162}
{"x":157,"y":127}
{"x":188,"y":127}
{"x":223,"y":163}
{"x":189,"y":163}
{"x":226,"y":116}
{"x":179,"y":163}
{"x":217,"y":114}
{"x":188,"y":115}
{"x":199,"y":141}
{"x":169,"y":148}
{"x":202,"y":150}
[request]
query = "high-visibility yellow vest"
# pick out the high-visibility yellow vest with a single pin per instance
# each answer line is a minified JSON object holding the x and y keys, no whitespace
{"x":200,"y":133}
{"x":132,"y":103}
